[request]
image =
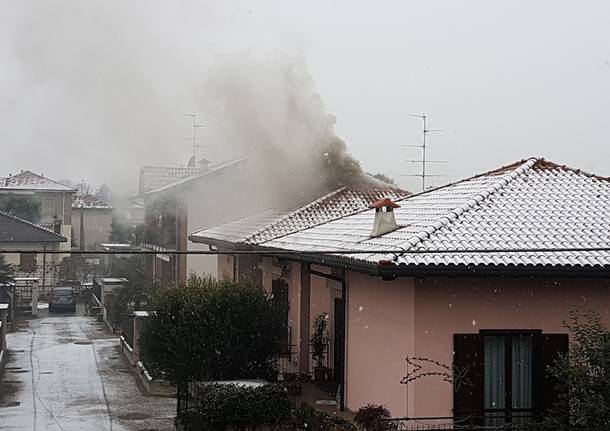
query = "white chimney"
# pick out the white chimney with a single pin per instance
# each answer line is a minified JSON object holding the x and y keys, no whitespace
{"x":384,"y":217}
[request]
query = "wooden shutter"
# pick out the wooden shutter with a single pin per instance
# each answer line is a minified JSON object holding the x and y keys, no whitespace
{"x":550,"y":347}
{"x":468,"y":391}
{"x":279,"y":293}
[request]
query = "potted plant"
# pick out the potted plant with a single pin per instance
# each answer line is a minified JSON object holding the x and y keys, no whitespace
{"x":293,"y":384}
{"x":319,"y":343}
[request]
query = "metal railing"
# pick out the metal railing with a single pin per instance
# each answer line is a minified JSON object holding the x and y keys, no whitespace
{"x":471,"y":423}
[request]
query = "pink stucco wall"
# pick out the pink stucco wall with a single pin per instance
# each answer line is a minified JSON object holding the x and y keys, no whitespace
{"x":445,"y":306}
{"x":379,"y":336}
{"x":390,"y":320}
{"x":226,"y":266}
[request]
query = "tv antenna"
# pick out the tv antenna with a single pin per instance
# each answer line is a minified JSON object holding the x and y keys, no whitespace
{"x":194,"y":139}
{"x":424,"y":161}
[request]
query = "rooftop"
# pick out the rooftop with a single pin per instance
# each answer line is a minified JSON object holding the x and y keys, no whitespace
{"x":15,"y":229}
{"x":153,"y":177}
{"x":272,"y":223}
{"x":90,"y":202}
{"x":27,"y":180}
{"x":196,"y":174}
{"x":531,"y":204}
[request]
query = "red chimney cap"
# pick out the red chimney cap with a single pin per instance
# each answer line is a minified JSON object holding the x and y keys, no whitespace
{"x":382,"y":203}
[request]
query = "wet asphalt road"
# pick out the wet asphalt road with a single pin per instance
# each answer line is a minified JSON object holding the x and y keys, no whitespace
{"x":67,"y":372}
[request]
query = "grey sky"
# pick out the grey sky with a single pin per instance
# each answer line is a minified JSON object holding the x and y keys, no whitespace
{"x":94,"y":89}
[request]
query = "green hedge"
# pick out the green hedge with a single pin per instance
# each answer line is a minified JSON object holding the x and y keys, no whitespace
{"x":241,"y":407}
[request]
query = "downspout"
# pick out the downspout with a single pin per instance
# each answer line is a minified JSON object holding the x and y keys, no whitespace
{"x":342,"y":388}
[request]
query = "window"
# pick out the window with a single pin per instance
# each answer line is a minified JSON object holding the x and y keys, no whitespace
{"x":508,"y":379}
{"x":503,"y":375}
{"x":27,"y":262}
{"x":47,"y":208}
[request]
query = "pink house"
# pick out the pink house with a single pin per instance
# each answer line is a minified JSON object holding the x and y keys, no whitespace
{"x":451,"y":304}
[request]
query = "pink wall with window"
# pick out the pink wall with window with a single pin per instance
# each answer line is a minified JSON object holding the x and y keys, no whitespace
{"x":388,"y":321}
{"x":445,"y":306}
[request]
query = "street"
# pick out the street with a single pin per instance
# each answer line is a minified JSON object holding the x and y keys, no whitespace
{"x":67,"y":372}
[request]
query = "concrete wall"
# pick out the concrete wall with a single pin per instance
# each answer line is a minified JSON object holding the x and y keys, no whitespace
{"x":97,"y":226}
{"x":53,"y":260}
{"x":54,"y":207}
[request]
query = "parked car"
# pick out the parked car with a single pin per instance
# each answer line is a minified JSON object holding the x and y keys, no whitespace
{"x":62,"y":298}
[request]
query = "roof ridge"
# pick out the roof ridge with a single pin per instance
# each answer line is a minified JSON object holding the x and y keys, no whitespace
{"x":43,"y":177}
{"x":32,"y":224}
{"x":550,"y":164}
{"x":473,"y":201}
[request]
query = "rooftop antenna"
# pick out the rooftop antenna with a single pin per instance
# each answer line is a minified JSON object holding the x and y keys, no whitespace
{"x":194,"y":138}
{"x":423,"y":160}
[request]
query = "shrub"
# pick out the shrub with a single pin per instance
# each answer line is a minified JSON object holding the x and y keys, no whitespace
{"x":212,"y":330}
{"x":241,"y":407}
{"x":583,"y":377}
{"x":371,"y":418}
{"x":311,"y":419}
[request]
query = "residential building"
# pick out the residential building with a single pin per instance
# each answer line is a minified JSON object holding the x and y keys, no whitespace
{"x":91,"y":221}
{"x":54,"y":200}
{"x":450,"y":302}
{"x":25,"y":238}
{"x":174,"y":208}
{"x":279,"y":276}
{"x":134,"y":214}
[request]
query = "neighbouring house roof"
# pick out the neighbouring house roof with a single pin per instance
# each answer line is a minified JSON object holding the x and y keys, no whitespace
{"x":90,"y":202}
{"x":15,"y":229}
{"x":272,"y":223}
{"x":531,"y":204}
{"x":239,"y":230}
{"x":196,"y":175}
{"x":27,"y":180}
{"x":153,"y":177}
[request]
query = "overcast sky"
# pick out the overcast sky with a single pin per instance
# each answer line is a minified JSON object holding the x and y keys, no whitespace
{"x":94,"y":89}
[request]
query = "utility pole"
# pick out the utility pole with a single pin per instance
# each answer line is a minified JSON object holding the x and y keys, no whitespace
{"x":194,"y":138}
{"x":424,"y":161}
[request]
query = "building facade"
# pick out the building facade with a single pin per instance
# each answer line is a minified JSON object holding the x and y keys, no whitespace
{"x":449,"y":303}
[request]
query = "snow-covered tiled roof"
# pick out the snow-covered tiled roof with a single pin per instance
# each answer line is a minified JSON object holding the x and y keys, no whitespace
{"x":153,"y":177}
{"x":27,"y":180}
{"x":267,"y":225}
{"x":186,"y":179}
{"x":532,"y":204}
{"x":339,"y":203}
{"x":238,"y":230}
{"x":90,"y":202}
